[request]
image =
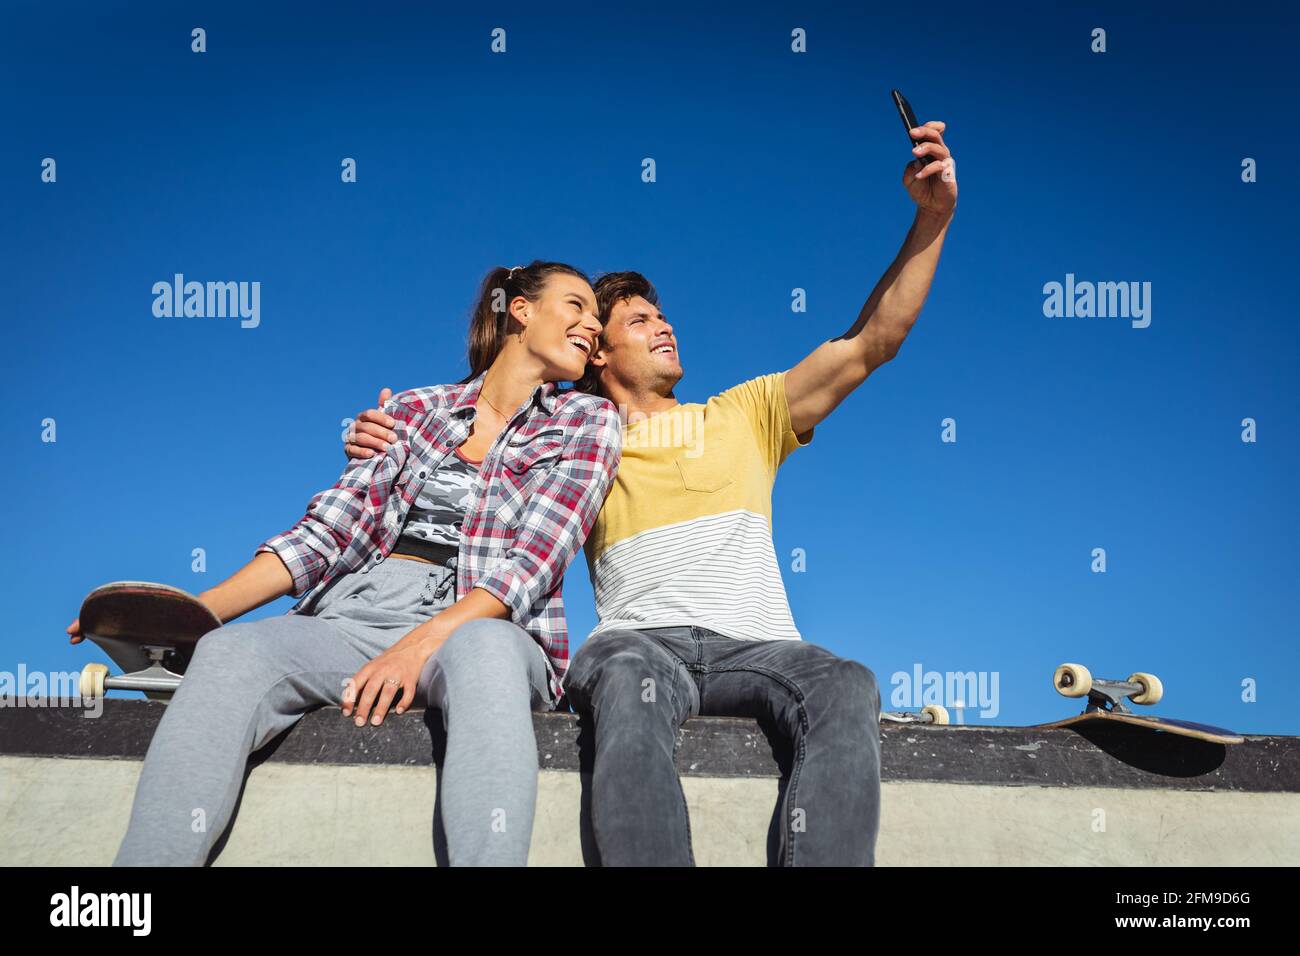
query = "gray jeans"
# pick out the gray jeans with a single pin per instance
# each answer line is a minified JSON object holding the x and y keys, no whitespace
{"x":824,"y":710}
{"x":249,"y":682}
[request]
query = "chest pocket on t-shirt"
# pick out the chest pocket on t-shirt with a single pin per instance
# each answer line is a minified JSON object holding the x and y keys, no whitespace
{"x":708,"y":472}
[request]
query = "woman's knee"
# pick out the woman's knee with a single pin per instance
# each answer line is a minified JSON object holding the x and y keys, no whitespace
{"x":226,"y":641}
{"x":486,"y":645}
{"x":236,"y":652}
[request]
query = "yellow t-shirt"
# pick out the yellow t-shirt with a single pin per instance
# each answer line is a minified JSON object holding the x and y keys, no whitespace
{"x":685,"y":535}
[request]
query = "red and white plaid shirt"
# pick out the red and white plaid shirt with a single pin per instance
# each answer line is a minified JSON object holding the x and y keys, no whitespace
{"x":539,"y":490}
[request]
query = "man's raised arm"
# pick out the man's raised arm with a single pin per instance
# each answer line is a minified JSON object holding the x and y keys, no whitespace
{"x":817,"y":385}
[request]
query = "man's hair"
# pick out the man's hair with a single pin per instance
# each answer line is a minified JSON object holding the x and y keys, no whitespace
{"x":611,"y":289}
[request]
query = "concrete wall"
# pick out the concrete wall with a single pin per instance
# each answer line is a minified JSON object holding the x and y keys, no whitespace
{"x":329,"y":793}
{"x":64,"y":811}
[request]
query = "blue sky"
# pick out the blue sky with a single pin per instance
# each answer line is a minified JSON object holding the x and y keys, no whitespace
{"x":775,"y":170}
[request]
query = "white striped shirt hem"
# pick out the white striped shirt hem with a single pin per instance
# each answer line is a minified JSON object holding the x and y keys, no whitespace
{"x":719,"y":572}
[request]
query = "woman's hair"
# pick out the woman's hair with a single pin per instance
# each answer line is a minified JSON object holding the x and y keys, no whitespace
{"x":490,"y":320}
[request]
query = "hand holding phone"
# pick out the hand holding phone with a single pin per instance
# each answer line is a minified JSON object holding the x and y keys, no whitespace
{"x":909,"y":122}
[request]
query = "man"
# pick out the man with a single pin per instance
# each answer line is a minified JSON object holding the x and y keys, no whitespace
{"x":693,"y":613}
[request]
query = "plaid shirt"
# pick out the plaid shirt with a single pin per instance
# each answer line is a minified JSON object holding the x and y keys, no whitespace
{"x":539,"y":490}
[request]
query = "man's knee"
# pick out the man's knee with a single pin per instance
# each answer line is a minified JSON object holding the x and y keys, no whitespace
{"x":859,"y":678}
{"x":626,"y":674}
{"x":622,"y":658}
{"x":852,"y":687}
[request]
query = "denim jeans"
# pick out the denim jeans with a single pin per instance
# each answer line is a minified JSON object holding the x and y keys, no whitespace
{"x":636,"y":687}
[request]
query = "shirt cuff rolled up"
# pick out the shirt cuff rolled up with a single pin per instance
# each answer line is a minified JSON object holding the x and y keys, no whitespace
{"x":505,"y":583}
{"x":305,"y":566}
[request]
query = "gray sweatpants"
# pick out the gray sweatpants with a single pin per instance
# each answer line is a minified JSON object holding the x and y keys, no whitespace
{"x":249,"y":682}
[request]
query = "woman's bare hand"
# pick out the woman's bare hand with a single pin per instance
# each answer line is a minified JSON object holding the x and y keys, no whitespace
{"x":373,"y":688}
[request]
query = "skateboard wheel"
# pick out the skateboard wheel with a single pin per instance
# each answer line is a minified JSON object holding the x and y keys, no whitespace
{"x":1072,"y":680}
{"x":92,"y":680}
{"x":938,"y":714}
{"x":1152,"y":689}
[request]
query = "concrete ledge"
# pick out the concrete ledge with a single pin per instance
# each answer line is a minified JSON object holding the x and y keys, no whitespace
{"x":329,"y":793}
{"x":1121,"y":756}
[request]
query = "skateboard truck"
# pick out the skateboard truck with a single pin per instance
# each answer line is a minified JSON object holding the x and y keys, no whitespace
{"x":1106,"y":705}
{"x":933,"y":714}
{"x":1075,"y":680}
{"x":156,"y":677}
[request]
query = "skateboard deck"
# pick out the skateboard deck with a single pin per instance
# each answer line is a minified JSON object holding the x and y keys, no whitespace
{"x":1106,"y":705}
{"x":148,"y":630}
{"x":1183,"y":728}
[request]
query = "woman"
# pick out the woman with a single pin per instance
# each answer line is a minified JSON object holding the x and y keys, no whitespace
{"x":487,"y":490}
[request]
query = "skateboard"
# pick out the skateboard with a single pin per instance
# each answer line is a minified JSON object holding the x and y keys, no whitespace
{"x":149,"y":630}
{"x":933,"y":714}
{"x":1106,"y":705}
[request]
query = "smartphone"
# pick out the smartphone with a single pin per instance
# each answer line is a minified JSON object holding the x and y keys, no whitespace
{"x":909,"y":122}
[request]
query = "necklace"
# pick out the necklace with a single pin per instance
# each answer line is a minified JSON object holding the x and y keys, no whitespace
{"x":491,"y":406}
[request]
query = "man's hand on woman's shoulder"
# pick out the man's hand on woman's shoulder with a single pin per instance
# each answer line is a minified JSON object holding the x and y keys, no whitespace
{"x":371,"y":432}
